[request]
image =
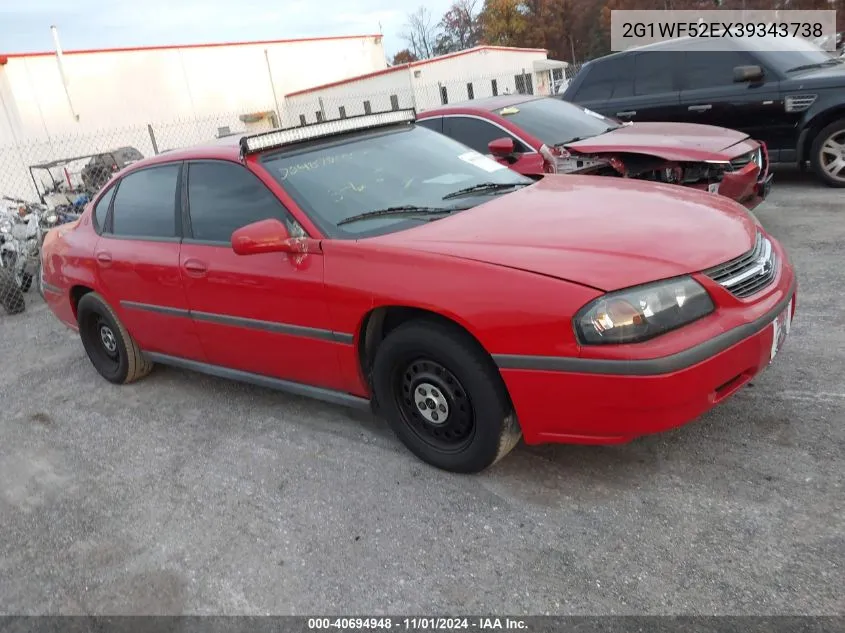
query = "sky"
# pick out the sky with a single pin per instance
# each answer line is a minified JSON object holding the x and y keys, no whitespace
{"x":25,"y":24}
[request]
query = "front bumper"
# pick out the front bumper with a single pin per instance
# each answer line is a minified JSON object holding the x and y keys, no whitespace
{"x":618,"y":401}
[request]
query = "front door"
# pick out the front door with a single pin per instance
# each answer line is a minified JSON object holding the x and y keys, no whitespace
{"x":476,"y":133}
{"x":710,"y":96}
{"x":137,"y":260}
{"x":265,"y":314}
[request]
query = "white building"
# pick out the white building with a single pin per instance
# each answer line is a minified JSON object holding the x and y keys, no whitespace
{"x":478,"y":72}
{"x":55,"y":105}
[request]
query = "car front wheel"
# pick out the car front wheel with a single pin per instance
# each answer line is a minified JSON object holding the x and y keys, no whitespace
{"x":111,"y":349}
{"x":444,"y":397}
{"x":828,"y":154}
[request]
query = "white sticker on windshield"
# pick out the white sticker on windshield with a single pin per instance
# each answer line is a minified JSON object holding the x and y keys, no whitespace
{"x":481,"y":161}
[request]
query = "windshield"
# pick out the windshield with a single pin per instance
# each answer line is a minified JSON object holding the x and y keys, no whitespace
{"x":395,"y":168}
{"x":787,"y":54}
{"x":554,"y":121}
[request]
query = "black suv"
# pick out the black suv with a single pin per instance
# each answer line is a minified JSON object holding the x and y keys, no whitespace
{"x":790,"y":94}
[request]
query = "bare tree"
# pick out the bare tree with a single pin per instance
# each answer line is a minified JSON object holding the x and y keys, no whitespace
{"x":420,"y":33}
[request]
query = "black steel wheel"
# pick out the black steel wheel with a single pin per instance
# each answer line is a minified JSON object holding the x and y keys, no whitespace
{"x":434,"y":404}
{"x":111,"y":349}
{"x":443,"y":396}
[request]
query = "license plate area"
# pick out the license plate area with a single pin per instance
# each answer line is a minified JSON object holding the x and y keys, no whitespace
{"x":780,"y":329}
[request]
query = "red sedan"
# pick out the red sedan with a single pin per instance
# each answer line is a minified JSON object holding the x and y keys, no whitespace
{"x":537,"y":135}
{"x":374,"y":263}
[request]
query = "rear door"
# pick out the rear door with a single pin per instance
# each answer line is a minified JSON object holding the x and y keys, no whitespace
{"x":137,"y":258}
{"x":477,"y":132}
{"x":710,"y":96}
{"x":265,"y":314}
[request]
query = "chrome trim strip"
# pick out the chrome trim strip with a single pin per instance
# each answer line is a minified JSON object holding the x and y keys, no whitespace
{"x":255,"y":324}
{"x":762,"y":259}
{"x":652,"y":366}
{"x":51,"y":288}
{"x":288,"y":386}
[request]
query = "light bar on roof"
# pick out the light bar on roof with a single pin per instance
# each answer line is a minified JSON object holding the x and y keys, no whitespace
{"x":279,"y":138}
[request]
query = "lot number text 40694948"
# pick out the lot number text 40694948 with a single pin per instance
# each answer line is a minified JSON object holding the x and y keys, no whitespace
{"x":417,"y":623}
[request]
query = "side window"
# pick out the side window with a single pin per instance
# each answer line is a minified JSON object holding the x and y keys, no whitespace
{"x":102,"y":210}
{"x":434,"y":123}
{"x":476,"y":133}
{"x":145,"y":203}
{"x":223,"y":197}
{"x":610,"y":79}
{"x":709,"y":69}
{"x":654,"y":72}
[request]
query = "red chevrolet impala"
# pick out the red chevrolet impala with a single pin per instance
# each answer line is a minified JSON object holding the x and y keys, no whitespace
{"x":375,"y":263}
{"x":536,"y":135}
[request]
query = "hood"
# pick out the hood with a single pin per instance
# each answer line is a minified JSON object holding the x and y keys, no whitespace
{"x":816,"y":78}
{"x":607,"y":233}
{"x":671,"y":141}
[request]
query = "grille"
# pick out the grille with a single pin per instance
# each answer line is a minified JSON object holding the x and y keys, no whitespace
{"x":748,"y":273}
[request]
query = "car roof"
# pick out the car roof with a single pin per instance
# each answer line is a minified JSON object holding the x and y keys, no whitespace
{"x":225,"y":148}
{"x":487,"y":104}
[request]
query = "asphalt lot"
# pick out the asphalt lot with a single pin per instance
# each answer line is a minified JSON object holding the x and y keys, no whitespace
{"x":188,"y":494}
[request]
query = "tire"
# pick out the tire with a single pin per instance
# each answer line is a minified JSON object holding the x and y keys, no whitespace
{"x":468,"y":422}
{"x":110,"y":348}
{"x":11,"y":297}
{"x":26,"y":282}
{"x":822,"y":154}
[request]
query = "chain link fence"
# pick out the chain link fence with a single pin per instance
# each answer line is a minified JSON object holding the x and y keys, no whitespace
{"x":47,"y":181}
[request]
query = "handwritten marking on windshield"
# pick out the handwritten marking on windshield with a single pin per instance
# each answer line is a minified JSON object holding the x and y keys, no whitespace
{"x":292,"y":170}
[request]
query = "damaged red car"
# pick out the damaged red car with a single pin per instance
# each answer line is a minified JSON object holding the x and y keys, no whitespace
{"x":541,"y":135}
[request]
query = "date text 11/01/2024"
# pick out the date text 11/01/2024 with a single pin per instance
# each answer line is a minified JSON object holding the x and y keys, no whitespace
{"x":417,"y":623}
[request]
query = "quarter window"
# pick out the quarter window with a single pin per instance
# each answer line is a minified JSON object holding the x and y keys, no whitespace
{"x":223,"y":197}
{"x":102,"y":210}
{"x":145,"y":203}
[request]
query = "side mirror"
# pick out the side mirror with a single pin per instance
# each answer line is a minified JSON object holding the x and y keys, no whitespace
{"x":502,"y":147}
{"x":748,"y":73}
{"x":266,"y":236}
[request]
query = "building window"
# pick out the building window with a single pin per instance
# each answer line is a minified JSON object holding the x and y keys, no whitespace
{"x":302,"y":119}
{"x":524,"y":84}
{"x":319,"y":116}
{"x":368,"y":109}
{"x":470,"y":91}
{"x":394,"y":102}
{"x":495,"y":86}
{"x":342,"y":111}
{"x":444,"y":95}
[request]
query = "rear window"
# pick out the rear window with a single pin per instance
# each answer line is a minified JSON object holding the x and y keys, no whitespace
{"x":554,"y":121}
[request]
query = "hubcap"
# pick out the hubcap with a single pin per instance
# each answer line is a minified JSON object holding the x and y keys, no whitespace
{"x":833,"y":156}
{"x":107,"y":339}
{"x":434,"y":404}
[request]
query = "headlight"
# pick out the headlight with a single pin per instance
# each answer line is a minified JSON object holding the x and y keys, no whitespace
{"x":640,"y":313}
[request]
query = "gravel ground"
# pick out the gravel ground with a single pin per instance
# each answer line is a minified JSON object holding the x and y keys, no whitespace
{"x":189,"y":494}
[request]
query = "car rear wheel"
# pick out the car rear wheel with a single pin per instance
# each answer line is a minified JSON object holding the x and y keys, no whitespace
{"x":111,"y":349}
{"x":444,"y":397}
{"x":828,"y":154}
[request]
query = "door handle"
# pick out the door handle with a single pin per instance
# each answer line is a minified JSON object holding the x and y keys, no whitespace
{"x":627,"y":113}
{"x":104,"y":258}
{"x":195,"y":268}
{"x":699,"y":108}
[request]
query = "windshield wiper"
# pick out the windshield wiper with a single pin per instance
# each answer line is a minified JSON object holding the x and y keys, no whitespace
{"x":408,"y":209}
{"x":484,"y":187}
{"x":830,"y":62}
